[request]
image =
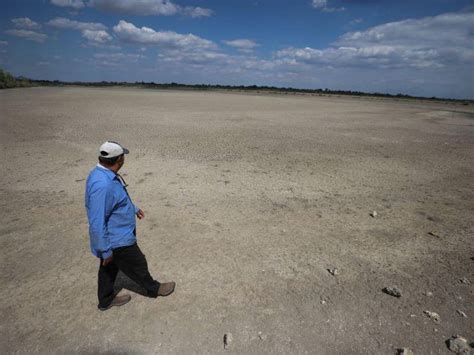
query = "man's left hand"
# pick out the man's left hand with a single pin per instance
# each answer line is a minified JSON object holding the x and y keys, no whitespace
{"x":140,"y":214}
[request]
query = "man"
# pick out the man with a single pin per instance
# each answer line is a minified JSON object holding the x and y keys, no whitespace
{"x":112,"y":229}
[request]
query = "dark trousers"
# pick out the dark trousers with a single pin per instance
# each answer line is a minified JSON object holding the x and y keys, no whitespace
{"x":131,"y":261}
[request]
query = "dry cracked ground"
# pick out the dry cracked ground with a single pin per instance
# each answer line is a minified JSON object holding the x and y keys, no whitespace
{"x":249,"y":200}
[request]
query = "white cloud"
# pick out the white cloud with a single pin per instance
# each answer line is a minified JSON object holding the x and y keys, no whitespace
{"x":322,"y":5}
{"x":356,"y":21}
{"x":196,"y":11}
{"x":75,"y":4}
{"x":61,"y":22}
{"x":115,"y":60}
{"x":119,"y":56}
{"x":195,"y":58}
{"x":136,"y":7}
{"x":128,"y":32}
{"x":28,"y":35}
{"x":25,"y":23}
{"x":431,"y":42}
{"x":148,"y":8}
{"x":96,"y":36}
{"x":94,"y":32}
{"x":243,"y":45}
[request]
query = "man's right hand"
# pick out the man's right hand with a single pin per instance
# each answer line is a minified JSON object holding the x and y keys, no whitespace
{"x":107,"y":261}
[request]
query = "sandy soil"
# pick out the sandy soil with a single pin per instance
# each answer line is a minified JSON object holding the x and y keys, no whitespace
{"x":249,"y":200}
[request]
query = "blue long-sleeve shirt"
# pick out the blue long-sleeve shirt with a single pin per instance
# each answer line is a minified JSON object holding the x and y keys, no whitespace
{"x":110,"y":211}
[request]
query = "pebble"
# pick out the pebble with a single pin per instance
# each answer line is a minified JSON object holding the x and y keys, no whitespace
{"x":393,"y":291}
{"x":405,"y":351}
{"x":461,"y":313}
{"x":434,"y":234}
{"x":433,"y":316}
{"x":334,"y":271}
{"x":373,"y":214}
{"x":261,"y":336}
{"x":428,"y":293}
{"x":459,"y":345}
{"x":227,"y":340}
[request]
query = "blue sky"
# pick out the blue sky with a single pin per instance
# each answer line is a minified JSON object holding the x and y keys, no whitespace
{"x":421,"y":48}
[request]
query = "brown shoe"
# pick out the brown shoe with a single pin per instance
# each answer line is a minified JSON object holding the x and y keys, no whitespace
{"x":166,"y":289}
{"x":117,"y":301}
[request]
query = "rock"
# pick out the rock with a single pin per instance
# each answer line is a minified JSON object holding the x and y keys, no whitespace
{"x":428,"y":293}
{"x":393,"y":291}
{"x":373,"y":214}
{"x":261,"y":336}
{"x":461,"y":313}
{"x":464,"y":280}
{"x":227,"y":340}
{"x":405,"y":351}
{"x":334,"y":271}
{"x":433,"y":316}
{"x":434,"y":234}
{"x":458,"y":345}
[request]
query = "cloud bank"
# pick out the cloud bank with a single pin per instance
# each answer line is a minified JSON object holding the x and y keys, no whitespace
{"x":431,"y":42}
{"x":243,"y":45}
{"x":75,"y":4}
{"x":137,"y":7}
{"x":28,"y":35}
{"x":128,"y":32}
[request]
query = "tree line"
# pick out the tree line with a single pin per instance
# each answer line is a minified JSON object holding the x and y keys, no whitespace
{"x":8,"y":81}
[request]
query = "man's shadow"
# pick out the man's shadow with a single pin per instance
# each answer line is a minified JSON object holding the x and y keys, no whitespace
{"x":123,"y":282}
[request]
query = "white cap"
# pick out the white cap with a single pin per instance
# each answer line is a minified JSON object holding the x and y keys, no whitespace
{"x":111,"y":150}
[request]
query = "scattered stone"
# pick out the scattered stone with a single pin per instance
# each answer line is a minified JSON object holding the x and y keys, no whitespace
{"x":227,"y":340}
{"x":461,"y":313}
{"x":428,"y":293}
{"x":458,"y":345}
{"x":261,"y":336}
{"x":464,"y":280}
{"x":373,"y":214}
{"x":405,"y":351}
{"x":433,"y":316}
{"x":333,"y":272}
{"x":393,"y":291}
{"x":434,"y":234}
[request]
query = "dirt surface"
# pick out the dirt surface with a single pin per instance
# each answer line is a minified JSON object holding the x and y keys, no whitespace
{"x":248,"y":201}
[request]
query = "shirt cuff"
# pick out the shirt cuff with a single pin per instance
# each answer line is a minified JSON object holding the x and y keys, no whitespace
{"x":107,"y":254}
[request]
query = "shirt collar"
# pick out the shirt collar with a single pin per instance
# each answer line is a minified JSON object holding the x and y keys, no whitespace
{"x":108,"y":172}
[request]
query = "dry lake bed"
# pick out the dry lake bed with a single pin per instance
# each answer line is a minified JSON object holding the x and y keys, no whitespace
{"x":249,"y":200}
